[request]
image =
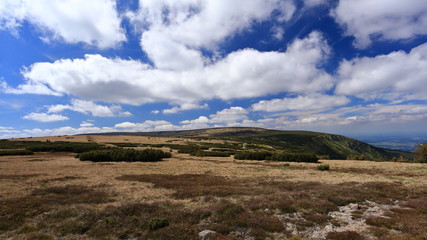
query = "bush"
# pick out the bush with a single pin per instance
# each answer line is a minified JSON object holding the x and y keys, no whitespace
{"x":157,"y":223}
{"x":124,"y":155}
{"x":421,"y":153}
{"x":294,"y":157}
{"x":252,"y":155}
{"x":126,"y":144}
{"x":202,"y":153}
{"x":64,"y":147}
{"x":276,"y":156}
{"x":15,"y":152}
{"x":323,"y":167}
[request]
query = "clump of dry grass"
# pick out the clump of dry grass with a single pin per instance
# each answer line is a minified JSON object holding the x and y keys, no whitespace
{"x":14,"y":212}
{"x":345,"y":235}
{"x":196,"y":185}
{"x":72,"y":194}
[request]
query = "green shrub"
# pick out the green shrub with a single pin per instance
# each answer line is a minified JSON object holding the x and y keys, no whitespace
{"x":64,"y":147}
{"x":294,"y":157}
{"x":202,"y":153}
{"x":15,"y":152}
{"x":252,"y":155}
{"x":276,"y":156}
{"x":126,"y":144}
{"x":188,"y":148}
{"x":157,"y":223}
{"x":124,"y":155}
{"x":421,"y":153}
{"x":323,"y":167}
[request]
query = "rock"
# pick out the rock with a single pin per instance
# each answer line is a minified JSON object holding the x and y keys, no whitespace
{"x":204,"y":235}
{"x":354,"y":206}
{"x":329,"y":228}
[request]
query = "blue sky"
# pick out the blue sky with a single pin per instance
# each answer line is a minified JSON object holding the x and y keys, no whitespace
{"x":338,"y":66}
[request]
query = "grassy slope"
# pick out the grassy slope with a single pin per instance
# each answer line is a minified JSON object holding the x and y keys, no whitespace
{"x":336,"y":146}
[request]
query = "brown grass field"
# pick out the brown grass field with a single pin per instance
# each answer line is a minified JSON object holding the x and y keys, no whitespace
{"x":57,"y":196}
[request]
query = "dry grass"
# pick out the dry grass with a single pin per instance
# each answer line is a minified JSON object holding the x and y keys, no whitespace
{"x":47,"y":195}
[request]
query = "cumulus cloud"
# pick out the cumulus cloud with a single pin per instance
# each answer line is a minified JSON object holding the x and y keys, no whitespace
{"x":369,"y":20}
{"x":86,"y":124}
{"x":88,"y":107}
{"x":394,"y":76}
{"x":383,"y":115}
{"x":227,"y":116}
{"x":94,"y":22}
{"x":242,"y":74}
{"x":304,"y":103}
{"x":174,"y":31}
{"x":44,"y":117}
{"x":183,"y":107}
{"x":147,"y":126}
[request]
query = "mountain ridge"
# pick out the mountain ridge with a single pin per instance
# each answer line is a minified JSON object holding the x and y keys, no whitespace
{"x":332,"y":146}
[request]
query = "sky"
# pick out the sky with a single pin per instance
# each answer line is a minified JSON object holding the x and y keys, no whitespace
{"x":337,"y":66}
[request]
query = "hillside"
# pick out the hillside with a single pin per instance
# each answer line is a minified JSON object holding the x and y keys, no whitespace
{"x":334,"y":146}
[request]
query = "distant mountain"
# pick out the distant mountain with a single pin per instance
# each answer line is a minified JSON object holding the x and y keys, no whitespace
{"x":403,"y":143}
{"x":334,"y":146}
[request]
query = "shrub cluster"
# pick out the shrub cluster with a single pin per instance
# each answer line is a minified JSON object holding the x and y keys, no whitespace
{"x":421,"y":153}
{"x":277,"y":156}
{"x":253,"y":155}
{"x":15,"y":152}
{"x":64,"y":147}
{"x":128,"y":144}
{"x":356,"y":157}
{"x":294,"y":157}
{"x":124,"y":155}
{"x":222,"y":150}
{"x":202,"y":153}
{"x":323,"y":167}
{"x":157,"y":223}
{"x":191,"y":148}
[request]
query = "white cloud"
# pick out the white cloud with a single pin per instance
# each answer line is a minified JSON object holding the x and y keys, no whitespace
{"x":242,"y":74}
{"x":88,"y":107}
{"x":43,"y":117}
{"x":86,"y":124}
{"x":29,"y":87}
{"x":7,"y":130}
{"x":304,"y":103}
{"x":278,"y":32}
{"x":125,"y":125}
{"x":227,"y":116}
{"x":174,"y":31}
{"x":369,"y":20}
{"x":374,"y":117}
{"x":147,"y":126}
{"x":183,"y":107}
{"x":94,"y":22}
{"x":397,"y":75}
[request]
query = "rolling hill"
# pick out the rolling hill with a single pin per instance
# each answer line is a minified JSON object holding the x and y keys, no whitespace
{"x":334,"y":146}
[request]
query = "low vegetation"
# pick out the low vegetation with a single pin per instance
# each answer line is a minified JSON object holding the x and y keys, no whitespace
{"x":323,"y":167}
{"x":276,"y":156}
{"x":124,"y":155}
{"x":202,"y":153}
{"x":63,"y":147}
{"x":421,"y":153}
{"x":56,"y":196}
{"x":15,"y":152}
